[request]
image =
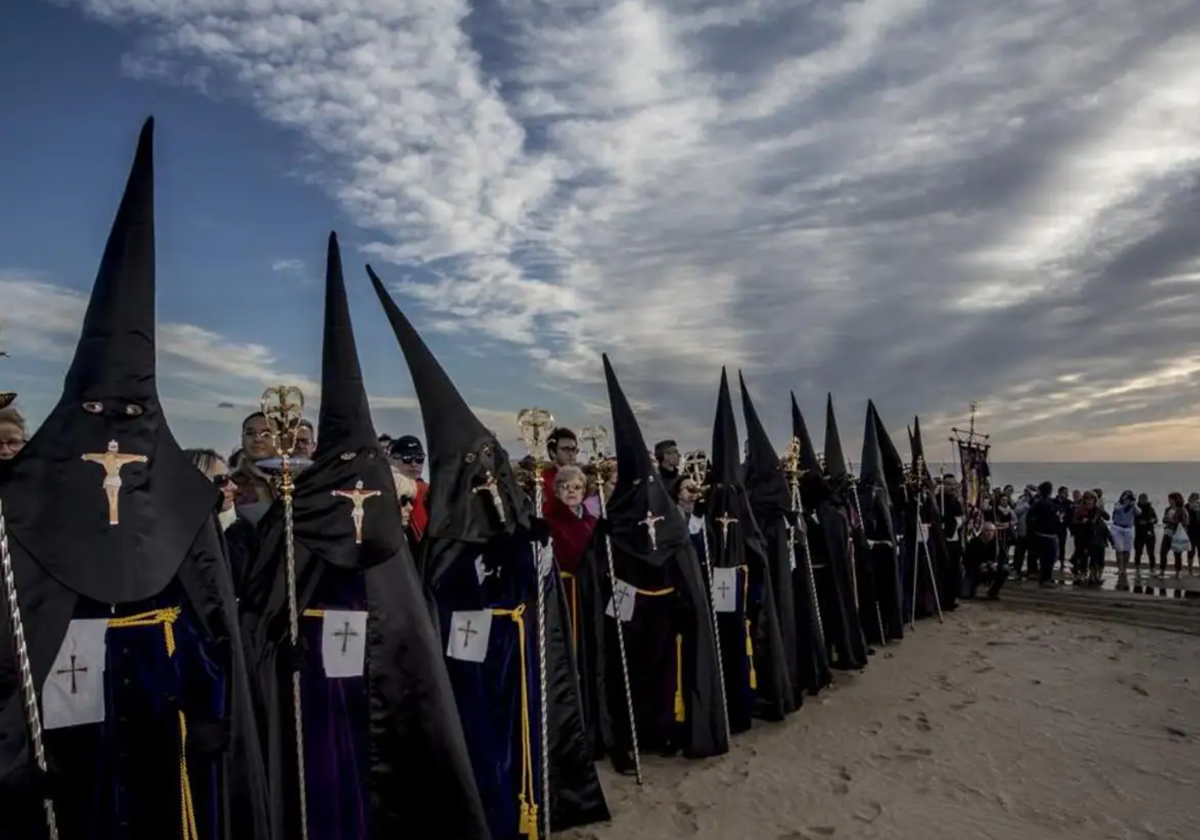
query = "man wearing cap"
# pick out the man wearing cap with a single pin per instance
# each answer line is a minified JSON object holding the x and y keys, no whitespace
{"x":408,"y":456}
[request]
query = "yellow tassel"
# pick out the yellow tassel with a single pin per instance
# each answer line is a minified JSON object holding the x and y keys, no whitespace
{"x":680,"y":710}
{"x":528,"y":823}
{"x":750,"y":655}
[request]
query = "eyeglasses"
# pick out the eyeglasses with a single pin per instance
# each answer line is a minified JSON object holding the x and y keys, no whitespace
{"x":566,"y":448}
{"x":256,"y":434}
{"x":406,"y":501}
{"x":412,"y":459}
{"x":222,"y":480}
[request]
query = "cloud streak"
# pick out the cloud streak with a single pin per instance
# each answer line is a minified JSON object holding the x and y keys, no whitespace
{"x":920,"y":201}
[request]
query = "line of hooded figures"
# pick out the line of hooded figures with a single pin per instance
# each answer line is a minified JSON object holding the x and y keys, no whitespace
{"x":350,"y":690}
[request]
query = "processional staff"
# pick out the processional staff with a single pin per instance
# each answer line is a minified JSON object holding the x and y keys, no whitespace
{"x":695,"y":467}
{"x":282,"y":407}
{"x":534,"y":425}
{"x":791,"y":468}
{"x":919,"y":485}
{"x":853,"y":481}
{"x":596,"y":437}
{"x":29,"y":699}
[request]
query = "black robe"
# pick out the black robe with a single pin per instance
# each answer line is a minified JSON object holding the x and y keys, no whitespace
{"x":669,"y":653}
{"x":177,"y":690}
{"x":882,"y":550}
{"x":831,"y":563}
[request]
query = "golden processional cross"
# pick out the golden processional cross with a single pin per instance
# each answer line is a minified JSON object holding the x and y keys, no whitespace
{"x":113,"y":460}
{"x":358,"y":496}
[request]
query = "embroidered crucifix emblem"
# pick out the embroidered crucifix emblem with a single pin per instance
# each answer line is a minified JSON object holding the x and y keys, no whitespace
{"x":650,"y":523}
{"x":358,"y":496}
{"x":113,"y":459}
{"x":724,"y":590}
{"x":489,"y":486}
{"x":726,"y":520}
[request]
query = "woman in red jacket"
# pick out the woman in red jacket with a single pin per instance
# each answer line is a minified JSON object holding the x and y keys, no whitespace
{"x":570,"y":529}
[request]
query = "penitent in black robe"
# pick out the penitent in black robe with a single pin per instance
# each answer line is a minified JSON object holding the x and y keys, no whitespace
{"x":381,"y":740}
{"x":477,"y":560}
{"x":668,"y":638}
{"x":123,"y":582}
{"x":828,"y":539}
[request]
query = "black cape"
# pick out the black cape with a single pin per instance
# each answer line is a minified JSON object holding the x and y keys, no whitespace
{"x":669,"y":642}
{"x":382,"y":744}
{"x":736,"y":542}
{"x":879,"y":530}
{"x":828,"y":546}
{"x":771,"y":502}
{"x":142,"y":558}
{"x":477,"y":556}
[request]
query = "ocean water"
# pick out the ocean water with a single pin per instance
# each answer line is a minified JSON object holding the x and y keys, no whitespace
{"x":1154,"y":479}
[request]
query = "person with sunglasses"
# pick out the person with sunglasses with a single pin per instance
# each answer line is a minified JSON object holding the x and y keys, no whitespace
{"x":407,"y":456}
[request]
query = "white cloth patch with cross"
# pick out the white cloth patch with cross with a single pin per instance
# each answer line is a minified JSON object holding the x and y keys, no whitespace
{"x":624,"y":597}
{"x":470,"y":631}
{"x":344,"y":643}
{"x":725,"y":587}
{"x":73,"y":693}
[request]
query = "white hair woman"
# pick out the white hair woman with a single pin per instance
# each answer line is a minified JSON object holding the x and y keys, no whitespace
{"x":571,"y":525}
{"x":406,"y":494}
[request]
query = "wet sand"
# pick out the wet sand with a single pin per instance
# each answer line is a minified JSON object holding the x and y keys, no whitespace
{"x":999,"y":724}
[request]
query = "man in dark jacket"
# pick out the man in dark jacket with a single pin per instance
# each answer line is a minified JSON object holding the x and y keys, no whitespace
{"x":1143,"y":532}
{"x":982,"y":564}
{"x":1042,"y":527}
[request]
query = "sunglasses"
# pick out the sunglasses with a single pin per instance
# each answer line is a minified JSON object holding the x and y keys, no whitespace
{"x":412,"y":459}
{"x":406,"y":501}
{"x":222,"y":480}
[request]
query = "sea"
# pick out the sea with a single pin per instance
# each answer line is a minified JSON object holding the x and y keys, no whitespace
{"x":1156,"y":479}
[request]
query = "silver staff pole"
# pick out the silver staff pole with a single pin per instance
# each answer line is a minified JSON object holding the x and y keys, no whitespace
{"x":596,"y":438}
{"x":862,"y":527}
{"x":282,"y":406}
{"x":534,"y":426}
{"x":791,"y":461}
{"x":695,"y":466}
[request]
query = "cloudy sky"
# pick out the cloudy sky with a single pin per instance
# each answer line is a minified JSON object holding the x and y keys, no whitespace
{"x":921,"y":201}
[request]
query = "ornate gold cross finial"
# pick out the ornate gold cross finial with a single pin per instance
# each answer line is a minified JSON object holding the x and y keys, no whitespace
{"x":6,"y":397}
{"x":283,"y":407}
{"x":113,"y":459}
{"x":358,"y":496}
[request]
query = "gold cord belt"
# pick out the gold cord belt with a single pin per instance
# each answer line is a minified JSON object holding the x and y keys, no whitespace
{"x":527,"y":798}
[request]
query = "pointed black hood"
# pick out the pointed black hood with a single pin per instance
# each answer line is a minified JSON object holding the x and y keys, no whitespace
{"x":345,"y":419}
{"x":835,"y":459}
{"x":918,"y":449}
{"x":640,"y":492}
{"x":725,"y":464}
{"x":893,"y":464}
{"x":348,"y":458}
{"x":871,"y":470}
{"x":765,"y":482}
{"x":55,"y":496}
{"x":464,"y":456}
{"x":814,"y":488}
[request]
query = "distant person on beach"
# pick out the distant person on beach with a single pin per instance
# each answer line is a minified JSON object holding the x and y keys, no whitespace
{"x":1124,"y":519}
{"x":1042,"y":526}
{"x":1175,"y":521}
{"x":1063,"y":506}
{"x":983,"y":565}
{"x":1193,"y":529}
{"x":1143,"y":532}
{"x":1089,"y":533}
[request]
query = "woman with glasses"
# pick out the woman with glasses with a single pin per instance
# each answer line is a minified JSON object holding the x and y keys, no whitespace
{"x":12,"y":433}
{"x":407,"y":457}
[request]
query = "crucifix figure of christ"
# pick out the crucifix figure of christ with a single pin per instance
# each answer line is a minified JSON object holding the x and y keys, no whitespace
{"x":489,"y":486}
{"x":345,"y":634}
{"x":650,"y":523}
{"x":726,"y":520}
{"x":113,"y":459}
{"x":467,"y":632}
{"x":357,"y":496}
{"x":74,"y":671}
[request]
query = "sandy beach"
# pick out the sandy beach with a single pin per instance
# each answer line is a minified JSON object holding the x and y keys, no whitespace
{"x":999,"y":724}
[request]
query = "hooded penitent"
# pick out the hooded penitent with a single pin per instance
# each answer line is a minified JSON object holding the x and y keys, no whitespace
{"x":878,"y":530}
{"x":124,"y":585}
{"x":843,"y":520}
{"x":666,"y":619}
{"x":900,"y":498}
{"x":947,"y":582}
{"x":758,"y":681}
{"x":828,"y":545}
{"x":477,"y":559}
{"x":771,"y":502}
{"x":381,"y":738}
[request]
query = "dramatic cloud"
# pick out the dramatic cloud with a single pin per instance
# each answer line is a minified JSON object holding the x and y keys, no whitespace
{"x":287,"y":265}
{"x":921,"y":201}
{"x":207,"y":382}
